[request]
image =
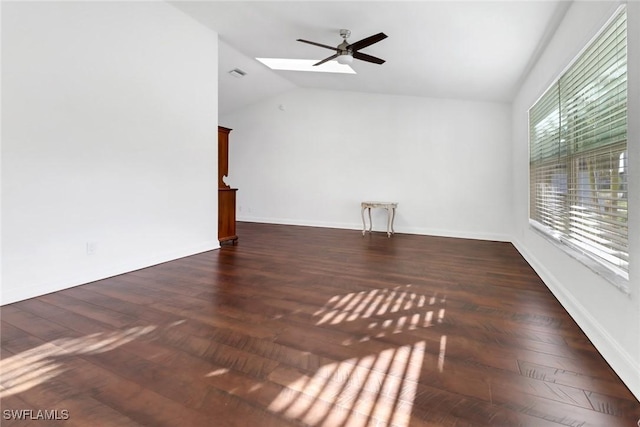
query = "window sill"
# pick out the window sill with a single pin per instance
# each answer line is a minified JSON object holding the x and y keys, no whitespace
{"x":617,"y":280}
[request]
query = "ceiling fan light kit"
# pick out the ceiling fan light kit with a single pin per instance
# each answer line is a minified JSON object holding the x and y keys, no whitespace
{"x":345,"y":52}
{"x":345,"y":59}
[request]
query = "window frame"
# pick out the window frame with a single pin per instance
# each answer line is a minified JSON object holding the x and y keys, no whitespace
{"x":619,"y":277}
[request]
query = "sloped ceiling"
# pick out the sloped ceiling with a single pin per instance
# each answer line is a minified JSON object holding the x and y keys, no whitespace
{"x":473,"y":50}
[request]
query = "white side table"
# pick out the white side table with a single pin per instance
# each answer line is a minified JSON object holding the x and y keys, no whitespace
{"x":391,"y":214}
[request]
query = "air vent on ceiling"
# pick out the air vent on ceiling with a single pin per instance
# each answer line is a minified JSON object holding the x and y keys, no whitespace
{"x":237,"y":72}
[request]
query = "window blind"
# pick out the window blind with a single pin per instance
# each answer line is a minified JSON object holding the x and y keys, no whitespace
{"x":578,"y":152}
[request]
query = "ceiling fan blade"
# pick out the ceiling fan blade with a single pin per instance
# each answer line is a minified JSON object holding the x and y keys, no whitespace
{"x":364,"y":57}
{"x":326,"y":59}
{"x":360,"y":44}
{"x":317,"y":44}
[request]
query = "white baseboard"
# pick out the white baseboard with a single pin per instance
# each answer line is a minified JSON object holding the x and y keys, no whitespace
{"x":305,"y":223}
{"x":459,"y":234}
{"x":15,"y":295}
{"x":618,"y":358}
{"x":358,"y":226}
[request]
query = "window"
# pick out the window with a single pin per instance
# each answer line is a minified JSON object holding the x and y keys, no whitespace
{"x":578,"y":153}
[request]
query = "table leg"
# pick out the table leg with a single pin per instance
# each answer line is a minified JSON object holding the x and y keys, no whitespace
{"x":364,"y":224}
{"x":393,"y":217}
{"x":370,"y":222}
{"x":388,"y":222}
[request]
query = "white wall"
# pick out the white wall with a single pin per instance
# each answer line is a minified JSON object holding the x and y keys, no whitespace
{"x":310,"y":157}
{"x":109,"y":136}
{"x":610,"y":317}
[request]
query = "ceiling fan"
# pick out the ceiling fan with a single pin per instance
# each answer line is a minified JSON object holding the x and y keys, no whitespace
{"x":345,"y":52}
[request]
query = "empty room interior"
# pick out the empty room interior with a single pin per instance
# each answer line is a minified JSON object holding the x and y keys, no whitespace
{"x":341,"y":213}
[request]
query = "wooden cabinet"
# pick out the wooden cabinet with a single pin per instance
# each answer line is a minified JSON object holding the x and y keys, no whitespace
{"x":226,"y":194}
{"x":227,"y":215}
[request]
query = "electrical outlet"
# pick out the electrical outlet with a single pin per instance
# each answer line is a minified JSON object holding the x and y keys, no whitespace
{"x":92,"y":248}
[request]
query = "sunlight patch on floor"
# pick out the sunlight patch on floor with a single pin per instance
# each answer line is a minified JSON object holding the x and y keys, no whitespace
{"x":377,"y":389}
{"x":383,"y":303}
{"x":391,"y":311}
{"x":36,"y":366}
{"x":354,"y":392}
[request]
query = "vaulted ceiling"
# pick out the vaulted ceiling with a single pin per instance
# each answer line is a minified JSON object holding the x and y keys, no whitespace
{"x":473,"y":50}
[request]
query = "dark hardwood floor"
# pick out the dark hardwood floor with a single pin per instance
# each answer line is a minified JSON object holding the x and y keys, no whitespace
{"x":311,"y":326}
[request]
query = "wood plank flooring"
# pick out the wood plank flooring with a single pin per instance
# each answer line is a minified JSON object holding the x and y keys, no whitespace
{"x":309,"y":326}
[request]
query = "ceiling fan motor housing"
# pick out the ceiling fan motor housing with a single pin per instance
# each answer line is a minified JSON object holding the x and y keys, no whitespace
{"x":344,"y":48}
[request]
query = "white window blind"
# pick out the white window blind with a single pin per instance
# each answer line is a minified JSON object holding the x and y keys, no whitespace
{"x":578,"y":152}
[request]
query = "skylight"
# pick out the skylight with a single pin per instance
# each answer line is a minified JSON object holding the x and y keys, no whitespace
{"x":306,"y":65}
